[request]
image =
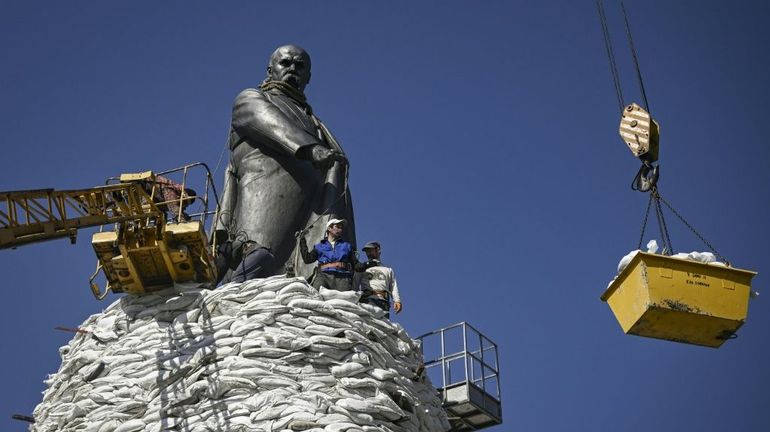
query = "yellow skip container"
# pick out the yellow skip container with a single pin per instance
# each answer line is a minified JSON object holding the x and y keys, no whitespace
{"x":679,"y":300}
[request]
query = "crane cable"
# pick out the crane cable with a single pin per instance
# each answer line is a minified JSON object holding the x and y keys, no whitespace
{"x":668,"y":248}
{"x":719,"y":256}
{"x":664,"y":235}
{"x":647,"y":175}
{"x":636,"y":58}
{"x":610,"y":54}
{"x":655,"y":197}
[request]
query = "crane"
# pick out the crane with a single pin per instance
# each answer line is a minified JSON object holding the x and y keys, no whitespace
{"x":146,"y":251}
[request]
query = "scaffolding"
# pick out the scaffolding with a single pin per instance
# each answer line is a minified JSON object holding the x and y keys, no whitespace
{"x":464,"y":366}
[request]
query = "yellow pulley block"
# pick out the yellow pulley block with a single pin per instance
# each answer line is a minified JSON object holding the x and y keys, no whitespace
{"x":640,"y":132}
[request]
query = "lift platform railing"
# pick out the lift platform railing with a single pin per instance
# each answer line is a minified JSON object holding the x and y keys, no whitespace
{"x":197,"y":206}
{"x":464,"y":365}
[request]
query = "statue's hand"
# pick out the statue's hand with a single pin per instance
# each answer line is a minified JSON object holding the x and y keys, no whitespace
{"x":320,"y":154}
{"x":339,"y":157}
{"x":322,"y":157}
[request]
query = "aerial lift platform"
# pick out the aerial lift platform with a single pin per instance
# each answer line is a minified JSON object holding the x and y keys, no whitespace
{"x":463,"y":364}
{"x":153,"y":243}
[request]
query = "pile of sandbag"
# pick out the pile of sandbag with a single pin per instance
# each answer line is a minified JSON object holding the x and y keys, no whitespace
{"x":265,"y":355}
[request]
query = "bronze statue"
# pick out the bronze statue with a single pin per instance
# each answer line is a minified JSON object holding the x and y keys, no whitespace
{"x":287,"y":173}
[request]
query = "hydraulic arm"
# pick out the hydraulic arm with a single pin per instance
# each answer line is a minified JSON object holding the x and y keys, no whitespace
{"x":145,"y":252}
{"x":45,"y":214}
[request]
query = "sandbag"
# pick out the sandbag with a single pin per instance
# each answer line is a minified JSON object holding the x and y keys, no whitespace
{"x":264,"y":355}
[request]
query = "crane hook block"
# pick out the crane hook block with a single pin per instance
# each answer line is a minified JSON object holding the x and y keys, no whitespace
{"x":640,"y":132}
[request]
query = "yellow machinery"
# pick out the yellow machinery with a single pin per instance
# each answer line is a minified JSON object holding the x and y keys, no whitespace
{"x":679,"y":300}
{"x":144,"y":252}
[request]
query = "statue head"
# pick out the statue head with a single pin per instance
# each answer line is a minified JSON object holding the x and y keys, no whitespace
{"x":290,"y":64}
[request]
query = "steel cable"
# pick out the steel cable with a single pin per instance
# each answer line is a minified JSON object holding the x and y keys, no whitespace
{"x":610,"y":54}
{"x":636,"y":58}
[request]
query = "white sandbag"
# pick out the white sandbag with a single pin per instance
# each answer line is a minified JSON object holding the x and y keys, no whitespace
{"x":329,"y":321}
{"x":266,"y":355}
{"x":131,"y":426}
{"x":320,"y":329}
{"x":294,"y":321}
{"x":348,"y":369}
{"x":626,"y":259}
{"x":702,"y":257}
{"x":652,"y":247}
{"x":348,"y":296}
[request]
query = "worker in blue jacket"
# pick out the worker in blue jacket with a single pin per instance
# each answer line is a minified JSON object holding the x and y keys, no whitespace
{"x":336,"y":258}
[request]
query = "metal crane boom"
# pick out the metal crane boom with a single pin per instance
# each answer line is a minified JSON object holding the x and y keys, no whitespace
{"x":145,"y":252}
{"x":38,"y":215}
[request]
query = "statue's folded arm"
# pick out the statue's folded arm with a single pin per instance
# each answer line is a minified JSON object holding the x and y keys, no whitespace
{"x":258,"y":119}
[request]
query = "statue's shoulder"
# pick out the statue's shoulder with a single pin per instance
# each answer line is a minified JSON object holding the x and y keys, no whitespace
{"x":250,"y":94}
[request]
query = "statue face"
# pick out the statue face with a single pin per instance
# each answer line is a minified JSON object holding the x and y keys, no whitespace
{"x":291,"y":65}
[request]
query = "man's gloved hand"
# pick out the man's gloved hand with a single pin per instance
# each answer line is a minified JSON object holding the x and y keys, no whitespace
{"x":236,"y":251}
{"x":302,"y":242}
{"x":363,"y":266}
{"x":223,"y":258}
{"x":303,"y":249}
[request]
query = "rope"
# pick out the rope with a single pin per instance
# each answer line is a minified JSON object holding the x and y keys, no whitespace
{"x":289,"y":91}
{"x":322,"y":214}
{"x":221,"y":156}
{"x":325,"y":135}
{"x":610,"y":54}
{"x":636,"y":59}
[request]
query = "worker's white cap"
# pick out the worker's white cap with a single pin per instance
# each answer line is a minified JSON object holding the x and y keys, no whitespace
{"x":334,"y":221}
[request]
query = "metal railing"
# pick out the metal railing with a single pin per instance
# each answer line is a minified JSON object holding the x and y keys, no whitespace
{"x":459,"y":356}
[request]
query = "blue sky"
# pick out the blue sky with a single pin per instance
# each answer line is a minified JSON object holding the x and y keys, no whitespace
{"x":484,"y":157}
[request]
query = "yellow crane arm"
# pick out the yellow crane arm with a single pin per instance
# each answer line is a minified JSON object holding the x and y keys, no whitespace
{"x":33,"y":216}
{"x":144,"y":252}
